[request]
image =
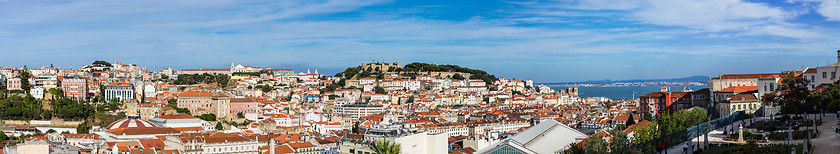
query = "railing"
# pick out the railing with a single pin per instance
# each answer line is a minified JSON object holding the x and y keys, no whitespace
{"x":675,"y":138}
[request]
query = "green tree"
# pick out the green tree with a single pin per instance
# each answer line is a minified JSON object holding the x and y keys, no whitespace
{"x":646,"y":133}
{"x":457,"y":76}
{"x":50,"y":131}
{"x":575,"y":148}
{"x":827,"y":99}
{"x":380,"y":90}
{"x":164,"y":76}
{"x":24,"y":80}
{"x":630,"y":121}
{"x":219,"y":126}
{"x":794,"y":94}
{"x":265,"y":88}
{"x":223,"y":80}
{"x":385,"y":147}
{"x":82,"y":128}
{"x":102,"y":62}
{"x":515,"y":92}
{"x":207,"y":117}
{"x":596,"y":143}
{"x":619,"y":143}
{"x":172,"y":103}
{"x":3,"y":137}
{"x":240,"y":115}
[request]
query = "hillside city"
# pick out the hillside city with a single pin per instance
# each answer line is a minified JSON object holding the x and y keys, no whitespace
{"x":391,"y":107}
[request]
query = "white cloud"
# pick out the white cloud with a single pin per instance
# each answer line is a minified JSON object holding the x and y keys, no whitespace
{"x":827,"y":8}
{"x":210,"y":33}
{"x":713,"y":16}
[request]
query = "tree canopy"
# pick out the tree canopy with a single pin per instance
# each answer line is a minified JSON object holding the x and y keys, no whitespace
{"x":380,"y":90}
{"x":385,"y":147}
{"x":24,"y":80}
{"x":793,"y":96}
{"x":207,"y":117}
{"x":188,"y":79}
{"x":101,"y":62}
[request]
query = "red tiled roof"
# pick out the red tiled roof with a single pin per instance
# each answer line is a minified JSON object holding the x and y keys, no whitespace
{"x":205,"y":69}
{"x":633,"y":127}
{"x":742,"y":97}
{"x":750,"y":76}
{"x":739,"y":89}
{"x":143,"y":131}
{"x":195,"y":94}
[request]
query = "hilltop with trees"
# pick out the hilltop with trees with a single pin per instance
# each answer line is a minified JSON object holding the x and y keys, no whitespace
{"x":414,"y":69}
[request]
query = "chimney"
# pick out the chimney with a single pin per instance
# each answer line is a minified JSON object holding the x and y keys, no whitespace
{"x":271,"y":146}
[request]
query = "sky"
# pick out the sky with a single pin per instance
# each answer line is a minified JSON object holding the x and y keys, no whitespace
{"x":539,"y":40}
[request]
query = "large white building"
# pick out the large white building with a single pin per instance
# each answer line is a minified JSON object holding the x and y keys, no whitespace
{"x":827,"y":74}
{"x":47,"y":81}
{"x":359,"y":109}
{"x":547,"y":137}
{"x":176,"y":120}
{"x":120,"y":90}
{"x":430,"y":143}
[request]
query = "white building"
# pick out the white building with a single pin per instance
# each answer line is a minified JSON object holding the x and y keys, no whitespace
{"x":149,"y":91}
{"x":827,"y":74}
{"x":176,"y":120}
{"x":810,"y":75}
{"x":359,"y":109}
{"x":420,"y":143}
{"x":411,"y":84}
{"x":2,"y":79}
{"x":547,"y":137}
{"x":120,"y":90}
{"x":46,"y":81}
{"x":37,"y":92}
{"x":476,"y":83}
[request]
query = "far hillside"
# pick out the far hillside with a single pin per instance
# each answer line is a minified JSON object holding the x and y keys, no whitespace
{"x":379,"y":70}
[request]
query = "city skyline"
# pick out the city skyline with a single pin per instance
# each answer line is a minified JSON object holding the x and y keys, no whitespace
{"x":544,"y":41}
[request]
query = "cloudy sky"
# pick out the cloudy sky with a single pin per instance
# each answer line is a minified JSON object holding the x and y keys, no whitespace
{"x":546,"y":41}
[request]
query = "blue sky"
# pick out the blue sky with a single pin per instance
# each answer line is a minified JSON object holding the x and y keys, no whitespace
{"x":546,"y":41}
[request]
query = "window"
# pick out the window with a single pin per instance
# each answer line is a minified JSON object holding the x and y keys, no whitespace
{"x":833,"y":74}
{"x":825,"y":75}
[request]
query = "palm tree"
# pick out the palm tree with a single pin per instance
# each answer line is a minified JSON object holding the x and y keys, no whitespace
{"x":385,"y":147}
{"x":575,"y":148}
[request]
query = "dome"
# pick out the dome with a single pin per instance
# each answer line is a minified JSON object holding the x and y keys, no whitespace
{"x":130,"y":123}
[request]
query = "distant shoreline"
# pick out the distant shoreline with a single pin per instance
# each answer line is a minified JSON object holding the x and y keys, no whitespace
{"x":626,"y":84}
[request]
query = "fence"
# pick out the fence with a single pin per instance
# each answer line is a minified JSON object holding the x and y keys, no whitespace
{"x":666,"y":141}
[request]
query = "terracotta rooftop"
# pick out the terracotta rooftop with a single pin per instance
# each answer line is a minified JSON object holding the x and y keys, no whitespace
{"x":739,"y":89}
{"x":742,"y":97}
{"x":195,"y":94}
{"x":177,"y":116}
{"x":143,"y":131}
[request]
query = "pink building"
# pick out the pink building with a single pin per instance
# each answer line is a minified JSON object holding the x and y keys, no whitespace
{"x":198,"y":102}
{"x":75,"y":87}
{"x":13,"y":84}
{"x":248,"y":106}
